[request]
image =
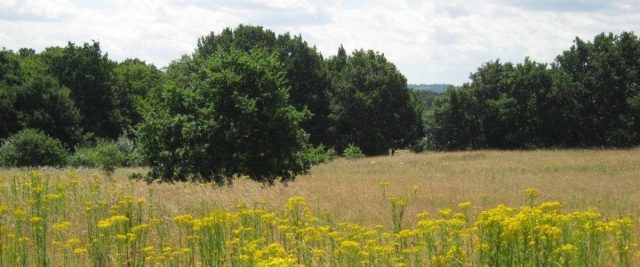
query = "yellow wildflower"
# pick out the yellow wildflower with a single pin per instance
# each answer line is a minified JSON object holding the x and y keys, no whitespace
{"x":61,"y":226}
{"x":80,"y":251}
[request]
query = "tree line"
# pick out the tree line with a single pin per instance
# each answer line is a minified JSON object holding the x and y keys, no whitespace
{"x":74,"y":93}
{"x":250,"y":102}
{"x":588,"y":97}
{"x":247,"y":101}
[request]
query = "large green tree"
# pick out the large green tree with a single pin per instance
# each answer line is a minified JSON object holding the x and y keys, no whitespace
{"x":448,"y":124}
{"x":233,"y":117}
{"x":605,"y":78}
{"x":88,"y":73}
{"x":589,"y":97}
{"x":134,"y":82}
{"x":305,"y":70}
{"x":504,"y":106}
{"x":371,"y":105}
{"x":10,"y":78}
{"x":31,"y":98}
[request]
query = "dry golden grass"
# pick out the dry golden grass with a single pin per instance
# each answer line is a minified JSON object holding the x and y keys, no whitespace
{"x":352,"y":191}
{"x":604,"y":180}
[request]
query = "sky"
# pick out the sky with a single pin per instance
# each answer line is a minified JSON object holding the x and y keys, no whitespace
{"x":429,"y":41}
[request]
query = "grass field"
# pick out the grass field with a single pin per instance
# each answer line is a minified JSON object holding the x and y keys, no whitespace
{"x":352,"y":191}
{"x":605,"y":180}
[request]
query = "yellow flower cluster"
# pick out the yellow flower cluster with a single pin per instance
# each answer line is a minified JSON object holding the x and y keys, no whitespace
{"x":36,"y":229}
{"x":113,"y":220}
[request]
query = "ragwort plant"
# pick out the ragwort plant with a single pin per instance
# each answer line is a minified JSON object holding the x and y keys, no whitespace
{"x":40,"y":226}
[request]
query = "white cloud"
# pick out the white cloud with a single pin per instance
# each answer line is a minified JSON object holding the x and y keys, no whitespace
{"x":288,"y":4}
{"x":36,"y":10}
{"x":430,"y":41}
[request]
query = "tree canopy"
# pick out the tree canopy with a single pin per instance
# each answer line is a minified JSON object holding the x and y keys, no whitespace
{"x":251,"y":102}
{"x":371,"y":105}
{"x":133,"y":82}
{"x":234,"y":118}
{"x":73,"y":93}
{"x":305,"y":70}
{"x":89,"y":75}
{"x":31,"y":98}
{"x":588,"y":97}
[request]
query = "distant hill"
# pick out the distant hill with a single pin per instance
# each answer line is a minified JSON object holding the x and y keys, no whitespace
{"x":438,"y":87}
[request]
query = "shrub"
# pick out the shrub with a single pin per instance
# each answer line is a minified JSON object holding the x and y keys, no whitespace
{"x":320,"y":154}
{"x":352,"y":152}
{"x":83,"y":157}
{"x":105,"y":155}
{"x":132,"y":155}
{"x":109,"y":157}
{"x":32,"y":148}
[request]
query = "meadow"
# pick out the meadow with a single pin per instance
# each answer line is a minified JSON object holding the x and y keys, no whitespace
{"x":481,"y":208}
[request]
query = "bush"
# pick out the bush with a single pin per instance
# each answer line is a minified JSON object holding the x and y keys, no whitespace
{"x":132,"y":155}
{"x":83,"y":157}
{"x":109,"y":157}
{"x":32,"y":148}
{"x":105,"y":155}
{"x":353,"y":152}
{"x":319,"y":154}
